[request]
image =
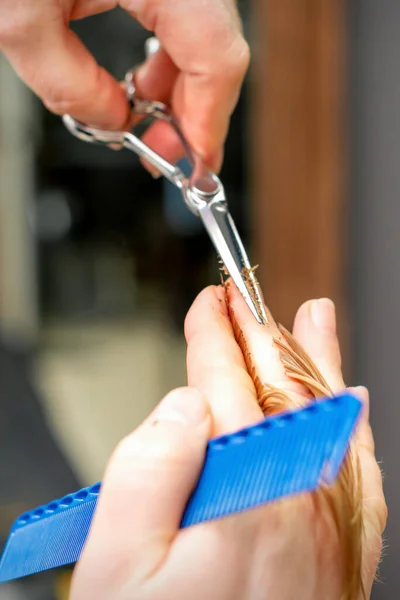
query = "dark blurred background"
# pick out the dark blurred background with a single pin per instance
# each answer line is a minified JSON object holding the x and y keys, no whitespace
{"x":99,"y":263}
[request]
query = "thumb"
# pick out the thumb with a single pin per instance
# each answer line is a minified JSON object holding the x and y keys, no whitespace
{"x":57,"y":66}
{"x":146,"y":487}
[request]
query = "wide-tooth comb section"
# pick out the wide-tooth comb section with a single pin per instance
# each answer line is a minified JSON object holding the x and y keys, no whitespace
{"x":281,"y":456}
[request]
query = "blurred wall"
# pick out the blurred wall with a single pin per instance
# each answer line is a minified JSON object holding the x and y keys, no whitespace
{"x":18,"y":308}
{"x":297,"y":161}
{"x":375,"y":122}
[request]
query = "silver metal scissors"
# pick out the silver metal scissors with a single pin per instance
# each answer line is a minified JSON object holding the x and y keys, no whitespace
{"x":202,"y":190}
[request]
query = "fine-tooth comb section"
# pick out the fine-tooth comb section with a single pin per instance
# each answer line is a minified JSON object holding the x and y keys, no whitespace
{"x":281,"y":456}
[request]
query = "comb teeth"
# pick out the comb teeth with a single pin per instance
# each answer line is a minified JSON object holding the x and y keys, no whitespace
{"x":281,"y":456}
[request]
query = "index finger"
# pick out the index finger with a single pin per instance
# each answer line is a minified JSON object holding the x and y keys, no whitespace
{"x":205,"y":42}
{"x":57,"y":66}
{"x":215,"y":364}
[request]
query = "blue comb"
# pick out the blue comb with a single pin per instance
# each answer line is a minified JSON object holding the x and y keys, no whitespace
{"x":281,"y":456}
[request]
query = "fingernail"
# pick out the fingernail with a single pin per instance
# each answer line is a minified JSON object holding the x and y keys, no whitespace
{"x":323,"y":315}
{"x":183,"y":405}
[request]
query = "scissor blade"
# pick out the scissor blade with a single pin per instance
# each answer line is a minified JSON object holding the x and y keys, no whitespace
{"x":223,"y":233}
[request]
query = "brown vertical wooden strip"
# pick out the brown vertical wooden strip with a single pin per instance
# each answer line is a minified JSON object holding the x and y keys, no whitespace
{"x":299,"y":152}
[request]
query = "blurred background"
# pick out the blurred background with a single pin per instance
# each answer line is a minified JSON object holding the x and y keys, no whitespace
{"x":99,"y":263}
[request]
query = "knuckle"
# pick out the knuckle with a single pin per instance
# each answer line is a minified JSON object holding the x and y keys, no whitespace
{"x":63,"y":99}
{"x":149,"y":447}
{"x":18,"y":26}
{"x":375,"y":507}
{"x":382,"y":512}
{"x":244,"y":55}
{"x":366,"y":444}
{"x":65,"y":95}
{"x":14,"y":28}
{"x":240,"y":55}
{"x":375,"y":516}
{"x":235,"y":60}
{"x":381,"y":507}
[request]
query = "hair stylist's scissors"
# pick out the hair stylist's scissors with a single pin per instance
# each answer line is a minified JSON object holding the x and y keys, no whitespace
{"x":202,"y":190}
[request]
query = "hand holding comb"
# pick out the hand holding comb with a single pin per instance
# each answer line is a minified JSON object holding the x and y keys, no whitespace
{"x":283,"y":456}
{"x":246,"y":365}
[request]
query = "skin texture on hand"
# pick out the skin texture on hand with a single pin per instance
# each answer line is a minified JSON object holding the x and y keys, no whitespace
{"x":199,"y":70}
{"x":348,"y":499}
{"x":283,"y":551}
